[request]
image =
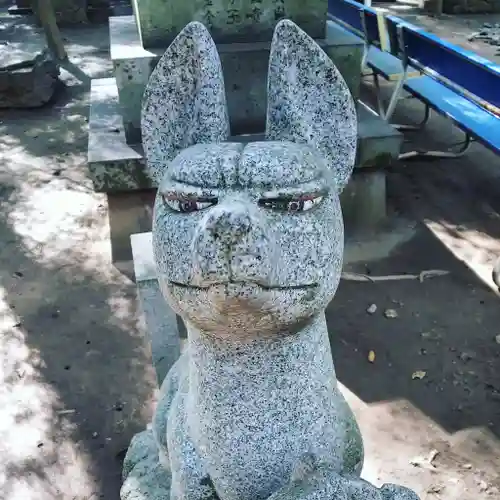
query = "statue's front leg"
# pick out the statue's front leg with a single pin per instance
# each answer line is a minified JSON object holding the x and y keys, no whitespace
{"x":353,"y":453}
{"x":190,"y":480}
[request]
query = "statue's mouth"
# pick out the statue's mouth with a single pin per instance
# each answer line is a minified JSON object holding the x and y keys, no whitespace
{"x":251,"y":284}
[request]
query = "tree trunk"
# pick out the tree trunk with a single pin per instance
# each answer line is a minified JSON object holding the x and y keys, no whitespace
{"x":52,"y":34}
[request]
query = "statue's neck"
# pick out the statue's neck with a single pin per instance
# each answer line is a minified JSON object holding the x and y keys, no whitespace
{"x":304,"y":353}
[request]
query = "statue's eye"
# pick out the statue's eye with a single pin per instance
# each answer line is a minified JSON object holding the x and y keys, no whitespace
{"x":292,"y":205}
{"x":185,"y":205}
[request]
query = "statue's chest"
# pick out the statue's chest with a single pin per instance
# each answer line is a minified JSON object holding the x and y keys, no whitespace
{"x":250,"y":445}
{"x":263,"y":422}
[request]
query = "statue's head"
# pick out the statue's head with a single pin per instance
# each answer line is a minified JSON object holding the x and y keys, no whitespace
{"x":248,"y":238}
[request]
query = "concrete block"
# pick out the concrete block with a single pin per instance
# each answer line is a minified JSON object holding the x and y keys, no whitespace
{"x":363,"y":200}
{"x":246,"y":20}
{"x":129,"y":212}
{"x":379,"y":143}
{"x":245,"y":73}
{"x":160,"y":321}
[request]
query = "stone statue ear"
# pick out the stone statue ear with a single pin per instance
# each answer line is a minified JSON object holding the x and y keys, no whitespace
{"x":185,"y":101}
{"x":309,"y":102}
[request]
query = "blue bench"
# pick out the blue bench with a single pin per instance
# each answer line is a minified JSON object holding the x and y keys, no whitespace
{"x":380,"y":53}
{"x":456,"y":83}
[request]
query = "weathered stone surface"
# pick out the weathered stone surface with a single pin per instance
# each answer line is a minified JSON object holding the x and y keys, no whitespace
{"x":29,"y":84}
{"x":379,"y":143}
{"x":185,"y":98}
{"x":228,"y":21}
{"x":364,"y":200}
{"x":244,"y":65}
{"x":248,"y":246}
{"x":308,"y":100}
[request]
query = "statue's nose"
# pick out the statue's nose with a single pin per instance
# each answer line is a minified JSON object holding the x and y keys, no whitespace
{"x":230,"y":222}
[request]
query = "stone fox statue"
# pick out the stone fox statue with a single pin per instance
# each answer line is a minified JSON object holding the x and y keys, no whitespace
{"x":248,"y":244}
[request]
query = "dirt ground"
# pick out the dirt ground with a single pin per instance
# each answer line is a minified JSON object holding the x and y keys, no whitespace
{"x":75,"y":370}
{"x":456,"y":29}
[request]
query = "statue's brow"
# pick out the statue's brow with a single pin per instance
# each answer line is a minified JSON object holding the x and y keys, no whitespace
{"x":195,"y":184}
{"x":251,"y":185}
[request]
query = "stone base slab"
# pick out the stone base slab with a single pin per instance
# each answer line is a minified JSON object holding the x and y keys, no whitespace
{"x":129,"y":213}
{"x":244,"y":65}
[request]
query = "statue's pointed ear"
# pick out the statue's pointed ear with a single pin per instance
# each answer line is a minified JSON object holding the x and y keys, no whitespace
{"x":185,"y":101}
{"x":309,"y":101}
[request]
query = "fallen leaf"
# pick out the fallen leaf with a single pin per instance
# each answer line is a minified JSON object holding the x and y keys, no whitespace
{"x":419,"y":374}
{"x":390,"y":313}
{"x":483,"y":486}
{"x":432,"y":335}
{"x":432,"y":456}
{"x":371,"y":356}
{"x":435,"y":488}
{"x":425,"y":461}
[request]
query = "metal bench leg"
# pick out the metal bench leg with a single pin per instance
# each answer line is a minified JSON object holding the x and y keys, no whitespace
{"x":419,"y":126}
{"x":464,"y":146}
{"x":391,"y":107}
{"x":380,"y":104}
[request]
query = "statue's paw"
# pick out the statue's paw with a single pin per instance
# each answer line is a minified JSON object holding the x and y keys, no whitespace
{"x":323,"y":483}
{"x":395,"y":492}
{"x":144,"y":477}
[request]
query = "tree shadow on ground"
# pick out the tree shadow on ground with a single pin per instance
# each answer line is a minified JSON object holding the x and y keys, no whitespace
{"x":77,"y":376}
{"x":62,"y":122}
{"x":441,"y":354}
{"x":77,"y":383}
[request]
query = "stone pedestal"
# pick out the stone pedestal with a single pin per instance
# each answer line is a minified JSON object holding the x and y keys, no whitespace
{"x":245,"y":72}
{"x":228,"y":21}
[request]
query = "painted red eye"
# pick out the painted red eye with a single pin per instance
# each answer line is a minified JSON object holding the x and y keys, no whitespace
{"x":299,"y":204}
{"x":187,"y":206}
{"x":296,"y":206}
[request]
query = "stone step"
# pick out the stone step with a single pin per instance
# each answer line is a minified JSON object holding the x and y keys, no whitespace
{"x":116,"y":166}
{"x":245,"y":72}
